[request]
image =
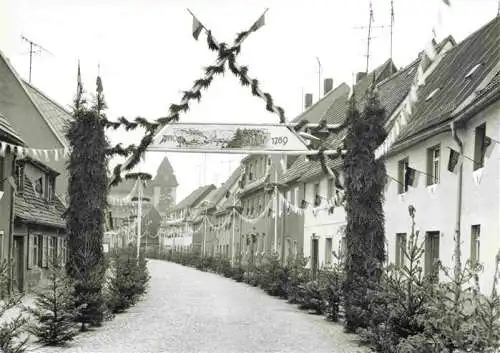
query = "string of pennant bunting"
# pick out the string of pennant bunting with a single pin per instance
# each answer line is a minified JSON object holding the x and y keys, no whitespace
{"x":425,"y":66}
{"x":39,"y":154}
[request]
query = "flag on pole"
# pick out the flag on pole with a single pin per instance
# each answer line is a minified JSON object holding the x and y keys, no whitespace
{"x":79,"y":86}
{"x":98,"y":82}
{"x":411,"y":176}
{"x":454,"y":161}
{"x":447,"y":2}
{"x":261,"y":21}
{"x":197,"y":27}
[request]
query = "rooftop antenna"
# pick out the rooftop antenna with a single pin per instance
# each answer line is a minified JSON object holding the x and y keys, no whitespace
{"x":370,"y":21}
{"x":392,"y":27}
{"x":34,"y":49}
{"x":319,"y":78}
{"x":370,"y":27}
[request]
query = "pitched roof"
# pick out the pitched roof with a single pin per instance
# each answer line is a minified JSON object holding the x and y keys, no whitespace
{"x":391,"y":88}
{"x":56,"y":116}
{"x":165,"y":175}
{"x":449,"y":79}
{"x":195,"y":197}
{"x":7,"y":131}
{"x":219,"y":193}
{"x":36,"y":210}
{"x":320,"y":110}
{"x":50,"y":111}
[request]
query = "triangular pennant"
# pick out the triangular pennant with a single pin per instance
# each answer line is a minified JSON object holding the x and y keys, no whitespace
{"x":477,"y":174}
{"x":46,"y":155}
{"x":3,"y":146}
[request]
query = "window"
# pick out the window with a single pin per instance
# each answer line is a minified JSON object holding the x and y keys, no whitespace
{"x":49,"y":188}
{"x":431,"y":252}
{"x":479,"y":146}
{"x":39,"y":186}
{"x":44,"y":247}
{"x":19,"y":177}
{"x":314,"y":254}
{"x":317,"y":198}
{"x":295,"y":248}
{"x":328,"y":251}
{"x":474,"y":244}
{"x":35,"y":240}
{"x":400,"y":249}
{"x":51,"y":248}
{"x":402,"y":165}
{"x":433,"y":157}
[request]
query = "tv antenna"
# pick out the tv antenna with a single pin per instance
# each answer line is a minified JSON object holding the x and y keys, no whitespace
{"x":35,"y":48}
{"x":370,"y":27}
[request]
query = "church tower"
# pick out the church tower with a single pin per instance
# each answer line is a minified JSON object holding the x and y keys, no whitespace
{"x":164,"y":186}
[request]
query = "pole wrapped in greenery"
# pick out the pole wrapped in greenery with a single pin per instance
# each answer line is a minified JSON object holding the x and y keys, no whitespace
{"x":88,"y":190}
{"x":365,"y":178}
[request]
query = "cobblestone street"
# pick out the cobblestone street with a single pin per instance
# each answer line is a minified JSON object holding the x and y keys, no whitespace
{"x":186,"y":310}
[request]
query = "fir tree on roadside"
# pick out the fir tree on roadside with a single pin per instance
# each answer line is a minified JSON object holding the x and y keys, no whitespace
{"x":365,"y":178}
{"x":54,"y":310}
{"x":10,"y":329}
{"x":88,"y":190}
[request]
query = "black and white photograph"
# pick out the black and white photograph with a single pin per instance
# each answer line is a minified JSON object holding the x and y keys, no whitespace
{"x":251,"y":176}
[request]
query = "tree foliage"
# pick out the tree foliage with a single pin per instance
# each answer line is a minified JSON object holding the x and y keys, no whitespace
{"x":85,"y":219}
{"x":365,"y":178}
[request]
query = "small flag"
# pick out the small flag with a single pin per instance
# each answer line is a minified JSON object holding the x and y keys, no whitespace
{"x":259,"y":23}
{"x":454,"y":161}
{"x":489,"y":146}
{"x":98,"y":83}
{"x":79,"y":86}
{"x":197,"y":27}
{"x":447,"y":2}
{"x":411,"y":177}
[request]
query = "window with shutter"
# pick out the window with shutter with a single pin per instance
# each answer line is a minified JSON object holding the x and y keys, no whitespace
{"x":433,"y":158}
{"x":475,"y":244}
{"x":431,"y":252}
{"x":479,"y":146}
{"x":402,"y":186}
{"x":45,"y":253}
{"x":328,"y":251}
{"x":400,"y":247}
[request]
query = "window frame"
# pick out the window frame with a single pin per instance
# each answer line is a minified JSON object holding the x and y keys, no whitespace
{"x":433,"y":165}
{"x":402,"y":165}
{"x":401,"y":241}
{"x":429,"y":262}
{"x":479,"y":146}
{"x":328,"y":252}
{"x":475,"y":245}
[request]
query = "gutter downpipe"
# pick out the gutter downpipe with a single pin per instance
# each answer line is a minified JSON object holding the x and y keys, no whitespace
{"x":457,"y":252}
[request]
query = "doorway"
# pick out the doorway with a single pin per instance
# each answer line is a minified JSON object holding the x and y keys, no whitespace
{"x":18,"y":265}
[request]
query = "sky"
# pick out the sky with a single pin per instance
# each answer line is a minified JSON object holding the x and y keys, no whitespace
{"x":147,"y":56}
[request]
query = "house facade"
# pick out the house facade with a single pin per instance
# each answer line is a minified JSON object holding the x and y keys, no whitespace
{"x":39,"y":227}
{"x":8,"y":137}
{"x":39,"y":119}
{"x":178,"y":230}
{"x":458,"y":113}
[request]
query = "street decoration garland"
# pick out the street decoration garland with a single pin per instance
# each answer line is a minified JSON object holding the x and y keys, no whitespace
{"x":135,"y":152}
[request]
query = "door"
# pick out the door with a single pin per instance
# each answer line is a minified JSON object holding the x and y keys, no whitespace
{"x":18,"y":265}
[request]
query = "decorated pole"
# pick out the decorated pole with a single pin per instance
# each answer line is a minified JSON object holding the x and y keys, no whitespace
{"x":139,"y":217}
{"x":276,"y":219}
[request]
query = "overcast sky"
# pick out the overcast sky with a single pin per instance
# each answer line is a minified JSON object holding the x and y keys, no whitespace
{"x":147,"y":55}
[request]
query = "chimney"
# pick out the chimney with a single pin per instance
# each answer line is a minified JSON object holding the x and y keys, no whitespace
{"x":360,"y":76}
{"x":308,"y":100}
{"x":327,"y":85}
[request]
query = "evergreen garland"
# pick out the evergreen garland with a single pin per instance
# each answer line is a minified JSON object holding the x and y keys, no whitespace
{"x":87,"y":189}
{"x":365,"y":178}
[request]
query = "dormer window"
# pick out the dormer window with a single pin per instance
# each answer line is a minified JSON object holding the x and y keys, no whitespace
{"x":432,"y":94}
{"x":49,"y":188}
{"x":19,"y":177}
{"x":471,"y":72}
{"x":39,"y":186}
